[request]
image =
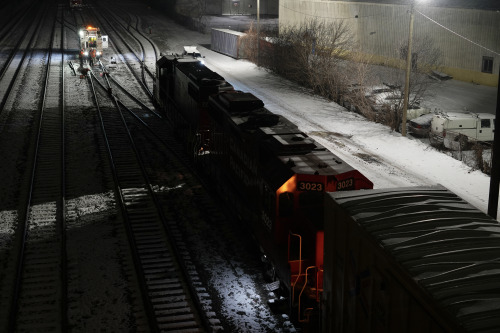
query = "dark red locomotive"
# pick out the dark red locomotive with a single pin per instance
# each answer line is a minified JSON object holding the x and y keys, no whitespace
{"x":272,"y":174}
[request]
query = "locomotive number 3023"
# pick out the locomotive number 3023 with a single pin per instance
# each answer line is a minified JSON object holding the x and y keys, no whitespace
{"x":346,"y":184}
{"x":309,"y":186}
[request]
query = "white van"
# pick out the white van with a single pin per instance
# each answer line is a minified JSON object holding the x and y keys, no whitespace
{"x":476,"y":126}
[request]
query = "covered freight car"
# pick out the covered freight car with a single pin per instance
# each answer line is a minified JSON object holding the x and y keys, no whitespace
{"x":409,"y":260}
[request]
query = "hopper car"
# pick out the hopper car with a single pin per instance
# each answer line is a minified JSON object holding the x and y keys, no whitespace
{"x":416,"y":259}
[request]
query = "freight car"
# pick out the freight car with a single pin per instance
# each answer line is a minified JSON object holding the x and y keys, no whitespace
{"x":409,"y":260}
{"x":271,"y":174}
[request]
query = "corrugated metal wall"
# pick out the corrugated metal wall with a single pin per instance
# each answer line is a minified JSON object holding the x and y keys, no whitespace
{"x":380,"y":29}
{"x":247,"y":7}
{"x":190,"y":8}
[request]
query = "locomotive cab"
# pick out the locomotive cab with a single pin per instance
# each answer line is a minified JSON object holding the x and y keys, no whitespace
{"x":305,"y":170}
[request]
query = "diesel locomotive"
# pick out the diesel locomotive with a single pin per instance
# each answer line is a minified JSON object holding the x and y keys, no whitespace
{"x":351,"y":259}
{"x":271,"y":174}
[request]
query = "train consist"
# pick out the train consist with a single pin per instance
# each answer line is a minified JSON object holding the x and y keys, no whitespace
{"x":275,"y":178}
{"x":92,"y":43}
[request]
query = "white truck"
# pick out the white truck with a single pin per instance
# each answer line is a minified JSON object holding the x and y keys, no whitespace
{"x":453,"y":126}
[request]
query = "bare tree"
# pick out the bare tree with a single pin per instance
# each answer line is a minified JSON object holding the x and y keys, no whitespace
{"x":426,"y":58}
{"x":324,"y":56}
{"x":313,"y":54}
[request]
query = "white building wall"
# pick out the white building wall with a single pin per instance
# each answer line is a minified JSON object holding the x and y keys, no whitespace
{"x":381,"y":28}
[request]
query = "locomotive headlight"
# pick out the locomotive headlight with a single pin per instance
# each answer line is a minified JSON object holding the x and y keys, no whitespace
{"x":86,"y":53}
{"x":81,"y":33}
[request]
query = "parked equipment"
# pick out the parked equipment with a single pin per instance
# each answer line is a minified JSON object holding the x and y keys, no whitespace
{"x":471,"y":126}
{"x":228,"y":42}
{"x":92,"y":43}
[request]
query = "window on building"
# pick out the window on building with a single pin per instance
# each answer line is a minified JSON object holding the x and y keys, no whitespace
{"x":487,"y":65}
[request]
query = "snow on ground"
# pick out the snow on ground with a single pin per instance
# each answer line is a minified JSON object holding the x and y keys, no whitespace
{"x":385,"y":157}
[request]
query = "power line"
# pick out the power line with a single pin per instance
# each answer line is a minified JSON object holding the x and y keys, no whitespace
{"x":385,"y":16}
{"x":456,"y":33}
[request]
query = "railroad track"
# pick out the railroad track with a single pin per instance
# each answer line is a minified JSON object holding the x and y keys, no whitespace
{"x":122,"y":44}
{"x":171,"y":289}
{"x":172,"y":292}
{"x":39,"y":294}
{"x":13,"y":63}
{"x":148,"y":50}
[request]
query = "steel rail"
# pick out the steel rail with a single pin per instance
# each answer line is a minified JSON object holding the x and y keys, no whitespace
{"x":144,"y":66}
{"x":64,"y":256}
{"x":205,"y":321}
{"x":21,"y":262}
{"x":130,"y":95}
{"x":135,"y":257}
{"x":21,"y":61}
{"x":120,"y":51}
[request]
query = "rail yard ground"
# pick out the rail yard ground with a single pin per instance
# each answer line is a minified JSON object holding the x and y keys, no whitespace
{"x":99,"y":289}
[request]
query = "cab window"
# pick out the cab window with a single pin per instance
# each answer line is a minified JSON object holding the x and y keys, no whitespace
{"x":286,"y":204}
{"x":310,"y":199}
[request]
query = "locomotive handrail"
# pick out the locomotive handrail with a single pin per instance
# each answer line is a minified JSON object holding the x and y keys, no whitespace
{"x":300,"y":262}
{"x":320,"y":271}
{"x":307,"y":311}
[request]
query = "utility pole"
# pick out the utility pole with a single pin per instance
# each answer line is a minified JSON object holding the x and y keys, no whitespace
{"x":495,"y":163}
{"x":408,"y":70}
{"x":258,"y":33}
